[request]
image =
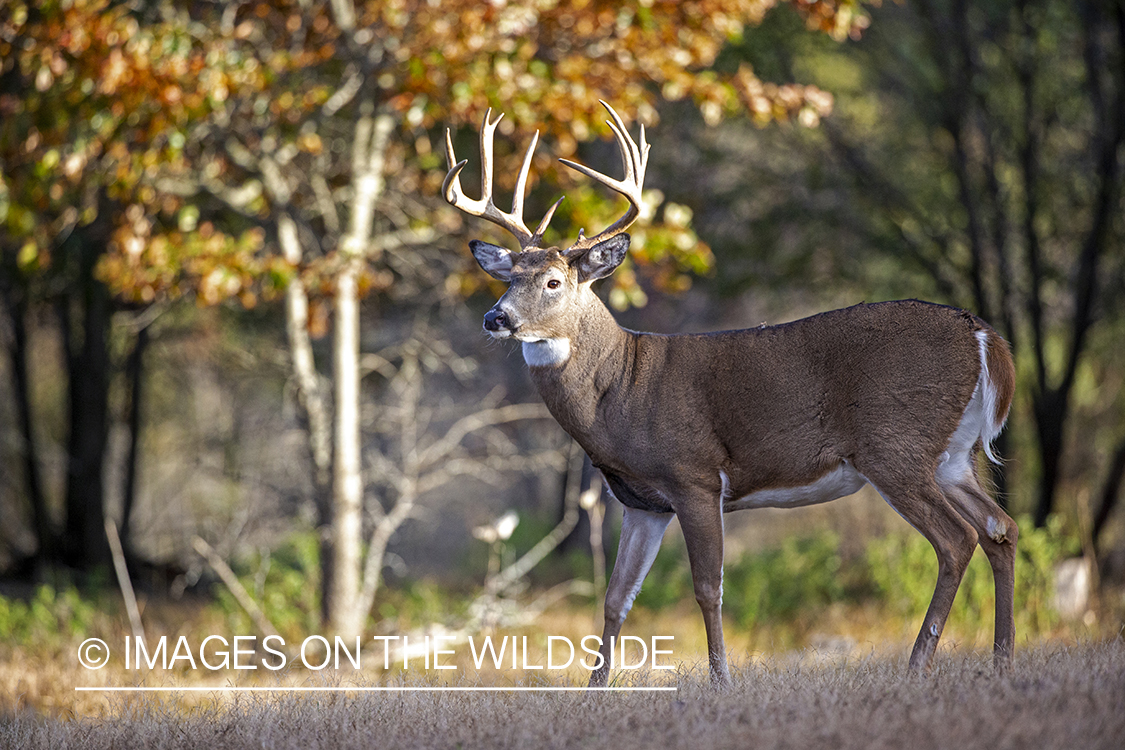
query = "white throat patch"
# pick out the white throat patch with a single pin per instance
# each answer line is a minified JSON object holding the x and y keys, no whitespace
{"x":546,"y":352}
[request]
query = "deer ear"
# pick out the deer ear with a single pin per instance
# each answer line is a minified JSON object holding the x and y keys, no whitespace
{"x":602,"y":259}
{"x":496,"y":261}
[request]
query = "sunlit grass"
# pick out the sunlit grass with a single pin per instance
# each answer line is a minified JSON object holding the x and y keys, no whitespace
{"x":1053,"y":696}
{"x":43,"y":681}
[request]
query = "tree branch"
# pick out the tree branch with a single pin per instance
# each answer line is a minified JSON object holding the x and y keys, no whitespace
{"x":489,"y":417}
{"x":261,"y":622}
{"x":547,"y":544}
{"x":310,"y":395}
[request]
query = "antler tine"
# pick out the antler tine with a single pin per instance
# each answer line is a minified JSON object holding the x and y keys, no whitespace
{"x":485,"y":208}
{"x":539,"y":230}
{"x":521,"y":180}
{"x":634,"y":161}
{"x":487,"y":135}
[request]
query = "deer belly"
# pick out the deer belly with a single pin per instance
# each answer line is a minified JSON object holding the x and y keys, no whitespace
{"x":634,"y":494}
{"x":841,"y":481}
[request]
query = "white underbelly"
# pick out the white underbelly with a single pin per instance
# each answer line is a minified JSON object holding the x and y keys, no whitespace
{"x":841,"y":481}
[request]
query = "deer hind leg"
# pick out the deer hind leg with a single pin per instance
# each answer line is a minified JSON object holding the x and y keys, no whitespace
{"x":925,"y":507}
{"x":641,"y":534}
{"x":701,"y":519}
{"x":997,"y":534}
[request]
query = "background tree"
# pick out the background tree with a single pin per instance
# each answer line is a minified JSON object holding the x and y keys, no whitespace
{"x":1027,"y":113}
{"x":87,"y":111}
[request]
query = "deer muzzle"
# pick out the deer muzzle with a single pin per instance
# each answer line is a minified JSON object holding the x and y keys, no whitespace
{"x":499,"y":323}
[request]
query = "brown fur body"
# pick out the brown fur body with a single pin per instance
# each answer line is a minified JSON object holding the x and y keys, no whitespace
{"x":775,"y":406}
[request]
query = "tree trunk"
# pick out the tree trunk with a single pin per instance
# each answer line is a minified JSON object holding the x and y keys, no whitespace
{"x":310,"y":398}
{"x":347,"y":515}
{"x":1111,"y":492}
{"x":47,"y":538}
{"x":85,"y":318}
{"x":135,"y":373}
{"x":1050,"y":416}
{"x":371,"y":135}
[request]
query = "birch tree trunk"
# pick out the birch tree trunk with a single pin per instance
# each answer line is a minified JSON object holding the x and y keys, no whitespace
{"x":347,"y":478}
{"x":345,"y":615}
{"x":310,"y":397}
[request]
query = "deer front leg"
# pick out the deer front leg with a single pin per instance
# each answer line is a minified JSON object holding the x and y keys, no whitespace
{"x":701,"y":518}
{"x":641,"y":534}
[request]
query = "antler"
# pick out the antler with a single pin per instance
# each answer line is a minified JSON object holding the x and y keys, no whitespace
{"x":485,"y":208}
{"x":634,"y":159}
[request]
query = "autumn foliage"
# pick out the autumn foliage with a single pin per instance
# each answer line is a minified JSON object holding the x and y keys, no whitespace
{"x":169,"y":123}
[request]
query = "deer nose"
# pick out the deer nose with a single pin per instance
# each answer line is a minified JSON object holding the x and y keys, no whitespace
{"x":496,"y":319}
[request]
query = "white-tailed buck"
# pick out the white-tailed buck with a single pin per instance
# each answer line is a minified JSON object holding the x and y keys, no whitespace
{"x":899,"y":395}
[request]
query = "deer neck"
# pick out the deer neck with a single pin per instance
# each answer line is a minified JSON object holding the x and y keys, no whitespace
{"x":574,"y":373}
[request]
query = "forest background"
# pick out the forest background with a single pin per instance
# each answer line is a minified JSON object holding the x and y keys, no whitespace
{"x":240,"y":323}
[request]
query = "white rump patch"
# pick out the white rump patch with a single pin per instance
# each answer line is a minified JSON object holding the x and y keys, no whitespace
{"x":841,"y":481}
{"x":546,"y":352}
{"x":977,"y":423}
{"x":989,"y":395}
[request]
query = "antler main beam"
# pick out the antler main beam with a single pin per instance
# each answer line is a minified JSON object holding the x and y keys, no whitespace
{"x":634,"y":160}
{"x":484,"y":208}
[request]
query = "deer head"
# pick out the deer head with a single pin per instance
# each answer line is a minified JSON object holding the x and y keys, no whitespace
{"x":548,"y":287}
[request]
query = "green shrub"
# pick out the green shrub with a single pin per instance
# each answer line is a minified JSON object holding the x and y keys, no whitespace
{"x":668,"y":581}
{"x":49,"y":617}
{"x":779,"y":584}
{"x":903,"y":572}
{"x":776,"y":584}
{"x":897,"y":573}
{"x":286,"y":584}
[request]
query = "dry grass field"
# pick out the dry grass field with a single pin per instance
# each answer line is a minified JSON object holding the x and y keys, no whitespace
{"x":1054,"y":696}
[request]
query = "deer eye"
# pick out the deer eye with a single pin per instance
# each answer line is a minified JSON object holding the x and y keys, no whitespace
{"x":553,"y":284}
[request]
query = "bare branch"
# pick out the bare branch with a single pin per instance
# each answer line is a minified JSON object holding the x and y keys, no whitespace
{"x":325,"y":203}
{"x":344,"y":94}
{"x":401,"y":238}
{"x":261,"y":622}
{"x":387,"y":470}
{"x":480,"y":419}
{"x":309,"y":392}
{"x":490,"y":470}
{"x":547,"y":544}
{"x":377,"y":548}
{"x":123,"y":579}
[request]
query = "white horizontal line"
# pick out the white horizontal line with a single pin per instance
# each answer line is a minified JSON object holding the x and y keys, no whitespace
{"x":452,"y":689}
